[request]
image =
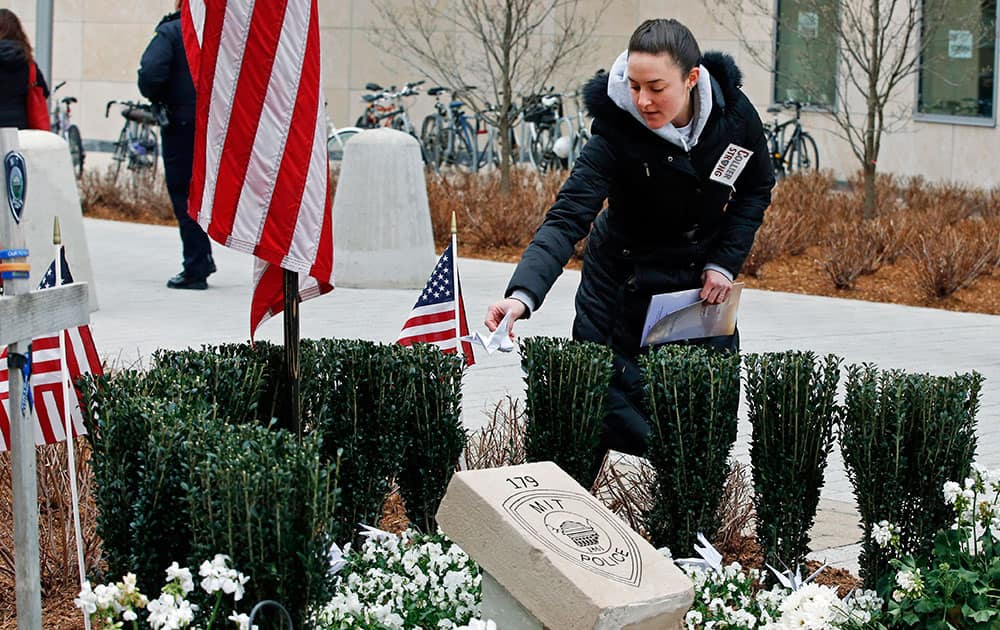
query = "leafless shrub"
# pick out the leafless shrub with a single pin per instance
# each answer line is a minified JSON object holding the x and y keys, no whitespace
{"x":501,"y":441}
{"x":624,"y":485}
{"x":793,"y":221}
{"x":854,"y":250}
{"x":56,"y":536}
{"x":953,"y":257}
{"x":487,"y":217}
{"x":735,"y":511}
{"x":104,"y":195}
{"x":948,"y":203}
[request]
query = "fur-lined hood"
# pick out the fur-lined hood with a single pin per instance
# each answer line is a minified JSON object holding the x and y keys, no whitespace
{"x":727,"y":79}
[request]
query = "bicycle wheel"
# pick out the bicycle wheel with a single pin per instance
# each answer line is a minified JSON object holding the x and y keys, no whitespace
{"x":803,"y":155}
{"x":432,"y":138}
{"x":120,"y":154}
{"x":335,"y":144}
{"x":75,"y":149}
{"x":777,"y":158}
{"x":145,"y":155}
{"x":541,"y":151}
{"x":463,"y":153}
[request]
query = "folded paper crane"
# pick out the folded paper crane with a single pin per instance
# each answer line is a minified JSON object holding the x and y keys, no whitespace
{"x":498,"y":340}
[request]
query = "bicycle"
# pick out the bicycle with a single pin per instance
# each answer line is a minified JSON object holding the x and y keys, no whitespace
{"x":447,"y":135}
{"x":579,"y":129}
{"x":543,"y":121}
{"x":65,"y":129}
{"x":799,"y":153}
{"x":138,"y":145}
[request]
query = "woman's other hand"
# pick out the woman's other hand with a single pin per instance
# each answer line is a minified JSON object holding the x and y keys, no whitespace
{"x":497,"y":310}
{"x":715,"y":287}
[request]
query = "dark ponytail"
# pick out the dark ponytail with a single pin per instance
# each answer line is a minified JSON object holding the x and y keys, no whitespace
{"x":658,"y":37}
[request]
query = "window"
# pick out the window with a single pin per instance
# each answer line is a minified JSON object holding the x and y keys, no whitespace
{"x":805,"y":66}
{"x":957,"y":66}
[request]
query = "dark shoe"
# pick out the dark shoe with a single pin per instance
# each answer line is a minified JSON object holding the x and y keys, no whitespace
{"x":181,"y":281}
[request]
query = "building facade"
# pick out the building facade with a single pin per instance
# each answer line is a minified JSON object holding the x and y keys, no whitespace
{"x":943,"y":116}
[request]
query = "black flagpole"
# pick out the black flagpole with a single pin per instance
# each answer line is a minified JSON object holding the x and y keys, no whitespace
{"x":291,"y":286}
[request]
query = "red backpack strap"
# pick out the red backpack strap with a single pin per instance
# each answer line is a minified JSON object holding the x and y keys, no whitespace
{"x":32,"y":74}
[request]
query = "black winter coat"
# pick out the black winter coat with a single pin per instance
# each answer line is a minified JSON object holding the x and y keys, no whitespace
{"x":665,"y":218}
{"x":14,"y":73}
{"x":164,"y":76}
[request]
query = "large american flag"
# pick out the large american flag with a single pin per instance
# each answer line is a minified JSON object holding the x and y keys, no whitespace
{"x":432,"y":319}
{"x":46,"y":376}
{"x":260,"y":181}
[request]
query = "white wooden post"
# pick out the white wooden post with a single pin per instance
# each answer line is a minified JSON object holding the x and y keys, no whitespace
{"x":23,"y":316}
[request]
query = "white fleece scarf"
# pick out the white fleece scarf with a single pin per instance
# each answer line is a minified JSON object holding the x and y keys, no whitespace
{"x":621,"y":95}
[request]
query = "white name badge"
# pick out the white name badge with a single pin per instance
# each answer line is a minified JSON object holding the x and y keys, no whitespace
{"x":734,"y":159}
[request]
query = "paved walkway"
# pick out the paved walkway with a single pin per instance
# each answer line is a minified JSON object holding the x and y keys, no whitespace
{"x":138,"y":314}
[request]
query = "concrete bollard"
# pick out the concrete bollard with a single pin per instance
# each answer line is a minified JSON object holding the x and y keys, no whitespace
{"x":52,"y":192}
{"x":381,"y":220}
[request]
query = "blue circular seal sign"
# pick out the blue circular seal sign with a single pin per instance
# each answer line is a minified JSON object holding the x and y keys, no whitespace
{"x":16,"y":175}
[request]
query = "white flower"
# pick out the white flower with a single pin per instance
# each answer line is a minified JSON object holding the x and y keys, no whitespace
{"x":181,"y":576}
{"x":951,"y":492}
{"x":242,"y":620}
{"x":883,"y":533}
{"x":86,"y":600}
{"x":129,"y":615}
{"x":911,"y":582}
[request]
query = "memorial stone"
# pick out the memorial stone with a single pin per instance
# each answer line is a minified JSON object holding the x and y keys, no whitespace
{"x":554,"y":557}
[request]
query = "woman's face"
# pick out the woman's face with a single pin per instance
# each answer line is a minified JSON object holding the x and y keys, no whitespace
{"x":660,"y":90}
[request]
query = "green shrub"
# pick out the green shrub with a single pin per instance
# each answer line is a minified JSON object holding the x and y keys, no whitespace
{"x":118,"y":418}
{"x":234,"y":376}
{"x":567,"y":384}
{"x":693,"y":395}
{"x":790,"y":396}
{"x":268,"y":501}
{"x":903,"y":436}
{"x":379,"y":412}
{"x":436,"y":437}
{"x":353,"y":391}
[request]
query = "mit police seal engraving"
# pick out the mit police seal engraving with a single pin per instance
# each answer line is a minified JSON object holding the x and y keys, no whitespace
{"x":576,"y":527}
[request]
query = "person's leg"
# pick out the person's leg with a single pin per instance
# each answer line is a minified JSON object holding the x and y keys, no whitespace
{"x":178,"y":153}
{"x":626,"y":428}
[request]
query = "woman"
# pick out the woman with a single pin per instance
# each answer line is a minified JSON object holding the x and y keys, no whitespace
{"x":682,"y":214}
{"x":15,"y":69}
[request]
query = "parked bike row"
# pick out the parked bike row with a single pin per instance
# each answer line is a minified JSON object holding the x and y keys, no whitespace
{"x":540,"y":133}
{"x":452,"y":135}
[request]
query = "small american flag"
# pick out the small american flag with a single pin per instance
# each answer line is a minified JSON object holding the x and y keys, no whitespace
{"x":46,"y":375}
{"x":260,"y":180}
{"x":432,"y":319}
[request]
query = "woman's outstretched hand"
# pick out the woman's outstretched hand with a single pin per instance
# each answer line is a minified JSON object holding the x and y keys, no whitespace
{"x":715,"y":287}
{"x":497,"y":310}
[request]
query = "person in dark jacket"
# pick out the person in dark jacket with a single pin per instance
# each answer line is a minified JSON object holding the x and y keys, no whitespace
{"x":680,"y":214}
{"x":15,"y":65}
{"x":165,"y":79}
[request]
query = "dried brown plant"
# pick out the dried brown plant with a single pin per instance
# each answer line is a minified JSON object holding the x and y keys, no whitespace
{"x":105,"y":196}
{"x":501,"y":441}
{"x":625,"y":485}
{"x":56,"y":537}
{"x":953,"y":256}
{"x":735,"y":512}
{"x":488,"y":218}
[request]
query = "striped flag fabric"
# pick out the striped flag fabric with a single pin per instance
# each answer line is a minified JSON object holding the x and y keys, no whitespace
{"x":260,"y":182}
{"x":46,"y":376}
{"x":432,"y":319}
